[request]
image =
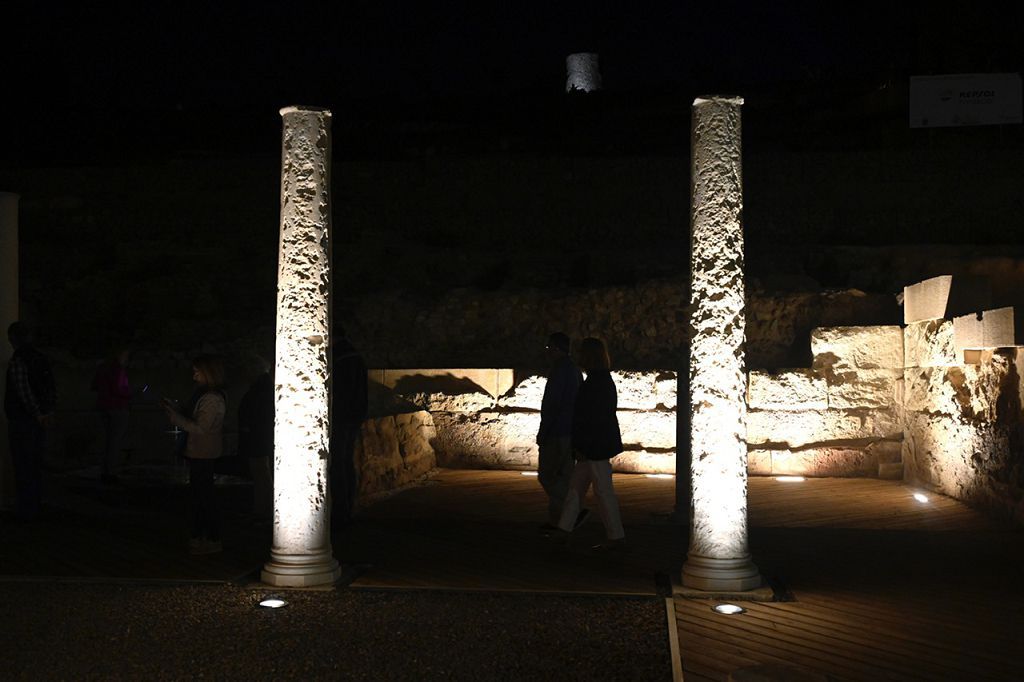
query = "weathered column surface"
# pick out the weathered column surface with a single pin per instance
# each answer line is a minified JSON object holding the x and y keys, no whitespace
{"x":718,"y":559}
{"x":582,"y":72}
{"x":8,"y":314}
{"x":301,"y":553}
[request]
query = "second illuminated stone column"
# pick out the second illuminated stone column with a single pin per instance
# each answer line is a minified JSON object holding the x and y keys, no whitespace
{"x":301,"y":553}
{"x":718,"y":558}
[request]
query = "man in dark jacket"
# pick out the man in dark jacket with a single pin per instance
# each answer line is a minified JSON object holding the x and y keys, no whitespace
{"x":555,"y":462}
{"x":30,"y":399}
{"x":349,"y":407}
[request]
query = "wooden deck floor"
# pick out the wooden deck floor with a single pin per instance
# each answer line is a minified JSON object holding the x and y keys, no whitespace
{"x":883,"y":587}
{"x":879,"y":585}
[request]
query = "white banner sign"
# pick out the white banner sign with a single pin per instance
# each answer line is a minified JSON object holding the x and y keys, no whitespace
{"x":969,"y":99}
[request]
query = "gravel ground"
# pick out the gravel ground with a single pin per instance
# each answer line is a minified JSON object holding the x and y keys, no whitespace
{"x":94,"y":631}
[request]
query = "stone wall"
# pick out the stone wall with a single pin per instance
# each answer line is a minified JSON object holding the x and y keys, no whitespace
{"x":840,"y":417}
{"x":964,"y":433}
{"x":394,"y":451}
{"x":480,"y":427}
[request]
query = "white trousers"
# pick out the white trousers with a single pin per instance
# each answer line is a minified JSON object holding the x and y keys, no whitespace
{"x":600,"y":474}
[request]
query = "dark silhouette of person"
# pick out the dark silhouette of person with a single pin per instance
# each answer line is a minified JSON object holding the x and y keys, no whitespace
{"x":203,"y":422}
{"x":113,"y":394}
{"x":256,"y":437}
{"x":554,"y":462}
{"x":30,"y":399}
{"x":349,"y":407}
{"x":595,"y":440}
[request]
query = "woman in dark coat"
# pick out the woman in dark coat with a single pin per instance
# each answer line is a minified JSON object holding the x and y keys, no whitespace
{"x":595,"y":440}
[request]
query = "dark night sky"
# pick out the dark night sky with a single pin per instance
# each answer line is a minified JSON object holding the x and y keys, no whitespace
{"x":72,"y":68}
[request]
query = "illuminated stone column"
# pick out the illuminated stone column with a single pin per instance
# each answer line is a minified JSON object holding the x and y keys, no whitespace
{"x":718,"y":559}
{"x":301,"y":553}
{"x":8,"y":314}
{"x":582,"y":73}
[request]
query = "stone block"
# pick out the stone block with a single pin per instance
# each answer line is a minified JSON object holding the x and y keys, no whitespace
{"x":644,"y":462}
{"x":793,"y":389}
{"x":887,"y":451}
{"x":527,"y":394}
{"x":824,"y":462}
{"x":929,"y":344}
{"x":393,"y":451}
{"x":487,"y":440}
{"x":797,"y":429}
{"x":892,"y":471}
{"x":759,"y":462}
{"x":495,"y":382}
{"x":851,"y":348}
{"x":648,"y":429}
{"x":867,"y":388}
{"x":926,"y":300}
{"x":968,"y":392}
{"x":457,"y":402}
{"x":987,"y":329}
{"x":666,"y":389}
{"x":635,"y":390}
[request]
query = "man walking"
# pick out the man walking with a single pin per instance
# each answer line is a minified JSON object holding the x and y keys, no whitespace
{"x":553,"y":438}
{"x":29,"y":402}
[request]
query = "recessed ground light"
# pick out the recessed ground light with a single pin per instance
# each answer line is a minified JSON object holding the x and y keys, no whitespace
{"x":728,"y":609}
{"x":527,"y":473}
{"x":789,"y":479}
{"x":920,"y":497}
{"x":273,"y":603}
{"x":659,"y":475}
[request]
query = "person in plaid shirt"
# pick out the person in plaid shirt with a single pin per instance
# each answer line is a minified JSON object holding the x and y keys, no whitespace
{"x":30,"y":398}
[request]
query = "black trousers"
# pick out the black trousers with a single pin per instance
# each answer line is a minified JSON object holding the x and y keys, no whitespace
{"x":205,"y":513}
{"x":26,"y":440}
{"x":342,"y":475}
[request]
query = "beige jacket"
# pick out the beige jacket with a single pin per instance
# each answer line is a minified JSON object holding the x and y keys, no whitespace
{"x":205,"y":427}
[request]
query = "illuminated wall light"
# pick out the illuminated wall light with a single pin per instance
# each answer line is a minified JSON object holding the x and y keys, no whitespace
{"x":921,"y":497}
{"x":659,"y":475}
{"x":728,"y":609}
{"x":273,"y":603}
{"x":301,"y":552}
{"x":527,"y":473}
{"x":789,"y":479}
{"x":718,"y":558}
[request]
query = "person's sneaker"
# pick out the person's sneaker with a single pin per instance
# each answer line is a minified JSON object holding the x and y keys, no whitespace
{"x":547,"y":529}
{"x":581,"y":518}
{"x":611,"y":546}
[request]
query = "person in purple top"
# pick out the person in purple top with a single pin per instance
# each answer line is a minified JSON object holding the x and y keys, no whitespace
{"x":113,"y":393}
{"x":555,"y":464}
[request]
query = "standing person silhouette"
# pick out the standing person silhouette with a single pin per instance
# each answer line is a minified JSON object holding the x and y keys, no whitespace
{"x":203,"y":422}
{"x":349,"y":407}
{"x":256,"y":436}
{"x":30,"y":399}
{"x":595,"y":440}
{"x":113,"y":393}
{"x":554,"y":462}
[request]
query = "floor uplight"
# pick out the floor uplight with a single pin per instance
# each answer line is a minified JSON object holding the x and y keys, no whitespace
{"x":659,"y":475}
{"x":728,"y":609}
{"x":789,"y":479}
{"x":527,"y":473}
{"x":920,"y":497}
{"x":273,"y":603}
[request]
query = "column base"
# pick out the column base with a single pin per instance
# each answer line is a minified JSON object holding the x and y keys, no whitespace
{"x":300,"y":575}
{"x":720,"y":575}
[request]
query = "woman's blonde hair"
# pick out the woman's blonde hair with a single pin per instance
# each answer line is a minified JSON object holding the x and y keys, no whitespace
{"x":211,"y":369}
{"x":594,"y":355}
